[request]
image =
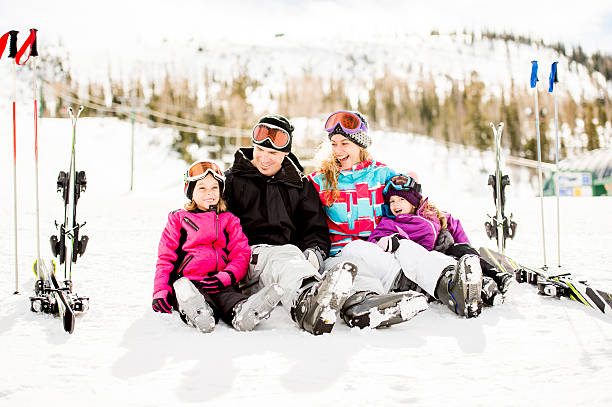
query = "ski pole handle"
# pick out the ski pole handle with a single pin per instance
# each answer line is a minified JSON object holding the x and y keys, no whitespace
{"x":34,"y":48}
{"x":534,"y":73}
{"x":13,"y":44}
{"x":28,"y":43}
{"x":553,"y":78}
{"x":4,"y":39}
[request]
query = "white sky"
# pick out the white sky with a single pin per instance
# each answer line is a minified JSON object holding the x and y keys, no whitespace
{"x":102,"y":25}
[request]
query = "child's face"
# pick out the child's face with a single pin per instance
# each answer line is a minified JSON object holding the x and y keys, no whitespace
{"x":206,"y":192}
{"x":399,"y":205}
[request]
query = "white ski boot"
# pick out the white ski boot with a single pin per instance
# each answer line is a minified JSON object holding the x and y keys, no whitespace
{"x":256,"y":308}
{"x":192,"y":305}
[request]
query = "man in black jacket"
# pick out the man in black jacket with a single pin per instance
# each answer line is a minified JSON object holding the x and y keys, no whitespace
{"x":280,"y":213}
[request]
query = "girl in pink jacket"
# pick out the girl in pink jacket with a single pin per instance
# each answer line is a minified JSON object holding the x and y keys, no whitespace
{"x":202,"y":255}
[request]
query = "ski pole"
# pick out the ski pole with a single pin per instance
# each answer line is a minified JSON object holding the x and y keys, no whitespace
{"x":34,"y":54}
{"x":534,"y":82}
{"x":551,"y":81}
{"x":497,"y":132}
{"x":12,"y":54}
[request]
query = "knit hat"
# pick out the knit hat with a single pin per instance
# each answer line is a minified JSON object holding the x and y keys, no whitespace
{"x":410,"y":195}
{"x":283,"y":123}
{"x":361,"y":138}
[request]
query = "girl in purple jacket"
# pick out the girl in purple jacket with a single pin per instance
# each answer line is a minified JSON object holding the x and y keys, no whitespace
{"x":408,"y":215}
{"x":202,"y":255}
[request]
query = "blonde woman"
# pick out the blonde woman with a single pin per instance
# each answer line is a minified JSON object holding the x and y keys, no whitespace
{"x":350,"y":184}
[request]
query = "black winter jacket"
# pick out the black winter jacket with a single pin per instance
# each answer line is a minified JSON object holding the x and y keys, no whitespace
{"x":282,"y":209}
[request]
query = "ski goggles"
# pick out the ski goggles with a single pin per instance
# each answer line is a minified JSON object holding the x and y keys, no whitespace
{"x":201,"y":169}
{"x":348,"y":121}
{"x":400,"y":182}
{"x":278,"y":137}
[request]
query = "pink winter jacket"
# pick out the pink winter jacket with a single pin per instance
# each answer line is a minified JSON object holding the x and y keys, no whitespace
{"x":205,"y":242}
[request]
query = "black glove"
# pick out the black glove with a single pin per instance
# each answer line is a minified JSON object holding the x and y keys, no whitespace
{"x":390,"y":243}
{"x":444,"y":241}
{"x":160,"y":302}
{"x":214,"y":284}
{"x":315,"y":256}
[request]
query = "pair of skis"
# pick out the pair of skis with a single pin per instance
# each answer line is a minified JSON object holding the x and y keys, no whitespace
{"x":53,"y":296}
{"x":552,"y":285}
{"x":500,"y":227}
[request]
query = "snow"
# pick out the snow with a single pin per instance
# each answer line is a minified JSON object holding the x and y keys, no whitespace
{"x":530,"y":350}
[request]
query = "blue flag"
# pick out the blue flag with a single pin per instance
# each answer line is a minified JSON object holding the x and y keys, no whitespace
{"x":534,"y":73}
{"x":552,"y":79}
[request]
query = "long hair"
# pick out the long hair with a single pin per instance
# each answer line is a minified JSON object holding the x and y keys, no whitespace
{"x":330,"y":169}
{"x":220,"y":207}
{"x":430,"y":212}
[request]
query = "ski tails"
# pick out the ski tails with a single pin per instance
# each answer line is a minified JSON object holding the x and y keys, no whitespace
{"x":552,"y":285}
{"x":50,"y":297}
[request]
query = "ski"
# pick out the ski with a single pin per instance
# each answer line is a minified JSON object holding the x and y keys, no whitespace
{"x":552,"y":285}
{"x":53,"y":296}
{"x":500,"y":227}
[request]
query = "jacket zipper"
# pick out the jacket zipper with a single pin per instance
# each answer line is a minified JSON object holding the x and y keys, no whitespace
{"x":183,"y":265}
{"x":191,"y":223}
{"x":215,"y":241}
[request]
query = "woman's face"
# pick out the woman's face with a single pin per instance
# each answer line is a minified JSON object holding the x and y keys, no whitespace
{"x":206,"y":192}
{"x":399,"y":206}
{"x":345,"y":151}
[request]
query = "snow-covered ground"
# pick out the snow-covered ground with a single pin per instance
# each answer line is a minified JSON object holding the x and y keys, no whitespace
{"x":529,"y":351}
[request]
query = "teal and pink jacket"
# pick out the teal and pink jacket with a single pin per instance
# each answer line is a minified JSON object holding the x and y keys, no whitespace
{"x":358,"y":208}
{"x":196,"y":243}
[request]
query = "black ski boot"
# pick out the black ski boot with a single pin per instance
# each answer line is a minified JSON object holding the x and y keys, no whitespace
{"x":368,"y":309}
{"x":460,"y":287}
{"x":317,"y":305}
{"x":490,"y":293}
{"x":503,"y":281}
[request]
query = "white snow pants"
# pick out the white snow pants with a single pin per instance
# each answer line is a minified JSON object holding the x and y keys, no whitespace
{"x":422,"y":266}
{"x":377,"y":269}
{"x":284,"y":265}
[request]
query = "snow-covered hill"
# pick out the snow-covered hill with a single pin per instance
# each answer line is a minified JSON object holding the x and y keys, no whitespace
{"x":529,"y":351}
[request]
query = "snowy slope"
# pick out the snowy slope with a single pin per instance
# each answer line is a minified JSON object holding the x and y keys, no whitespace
{"x":531,"y":350}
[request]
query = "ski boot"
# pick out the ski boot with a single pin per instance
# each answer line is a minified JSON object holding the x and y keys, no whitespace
{"x":490,"y":294}
{"x":503,"y":281}
{"x":317,"y":305}
{"x":460,"y":287}
{"x":192,"y":306}
{"x":256,"y":308}
{"x":368,"y":309}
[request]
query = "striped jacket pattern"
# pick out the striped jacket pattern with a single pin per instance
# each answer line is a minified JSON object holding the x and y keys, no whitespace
{"x":358,"y":208}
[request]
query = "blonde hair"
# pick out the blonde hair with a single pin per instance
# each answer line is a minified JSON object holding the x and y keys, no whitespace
{"x":221,"y":205}
{"x":431,"y":212}
{"x":330,"y":169}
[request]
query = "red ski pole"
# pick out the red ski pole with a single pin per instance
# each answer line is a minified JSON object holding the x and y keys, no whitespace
{"x":12,"y":54}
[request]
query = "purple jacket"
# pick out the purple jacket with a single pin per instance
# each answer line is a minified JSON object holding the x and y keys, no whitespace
{"x":197,"y":243}
{"x":418,"y":228}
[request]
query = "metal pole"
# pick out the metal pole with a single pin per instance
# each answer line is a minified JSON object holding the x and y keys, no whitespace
{"x":552,"y":80}
{"x":15,"y":178}
{"x":537,"y":113}
{"x":38,"y":260}
{"x":132,"y":154}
